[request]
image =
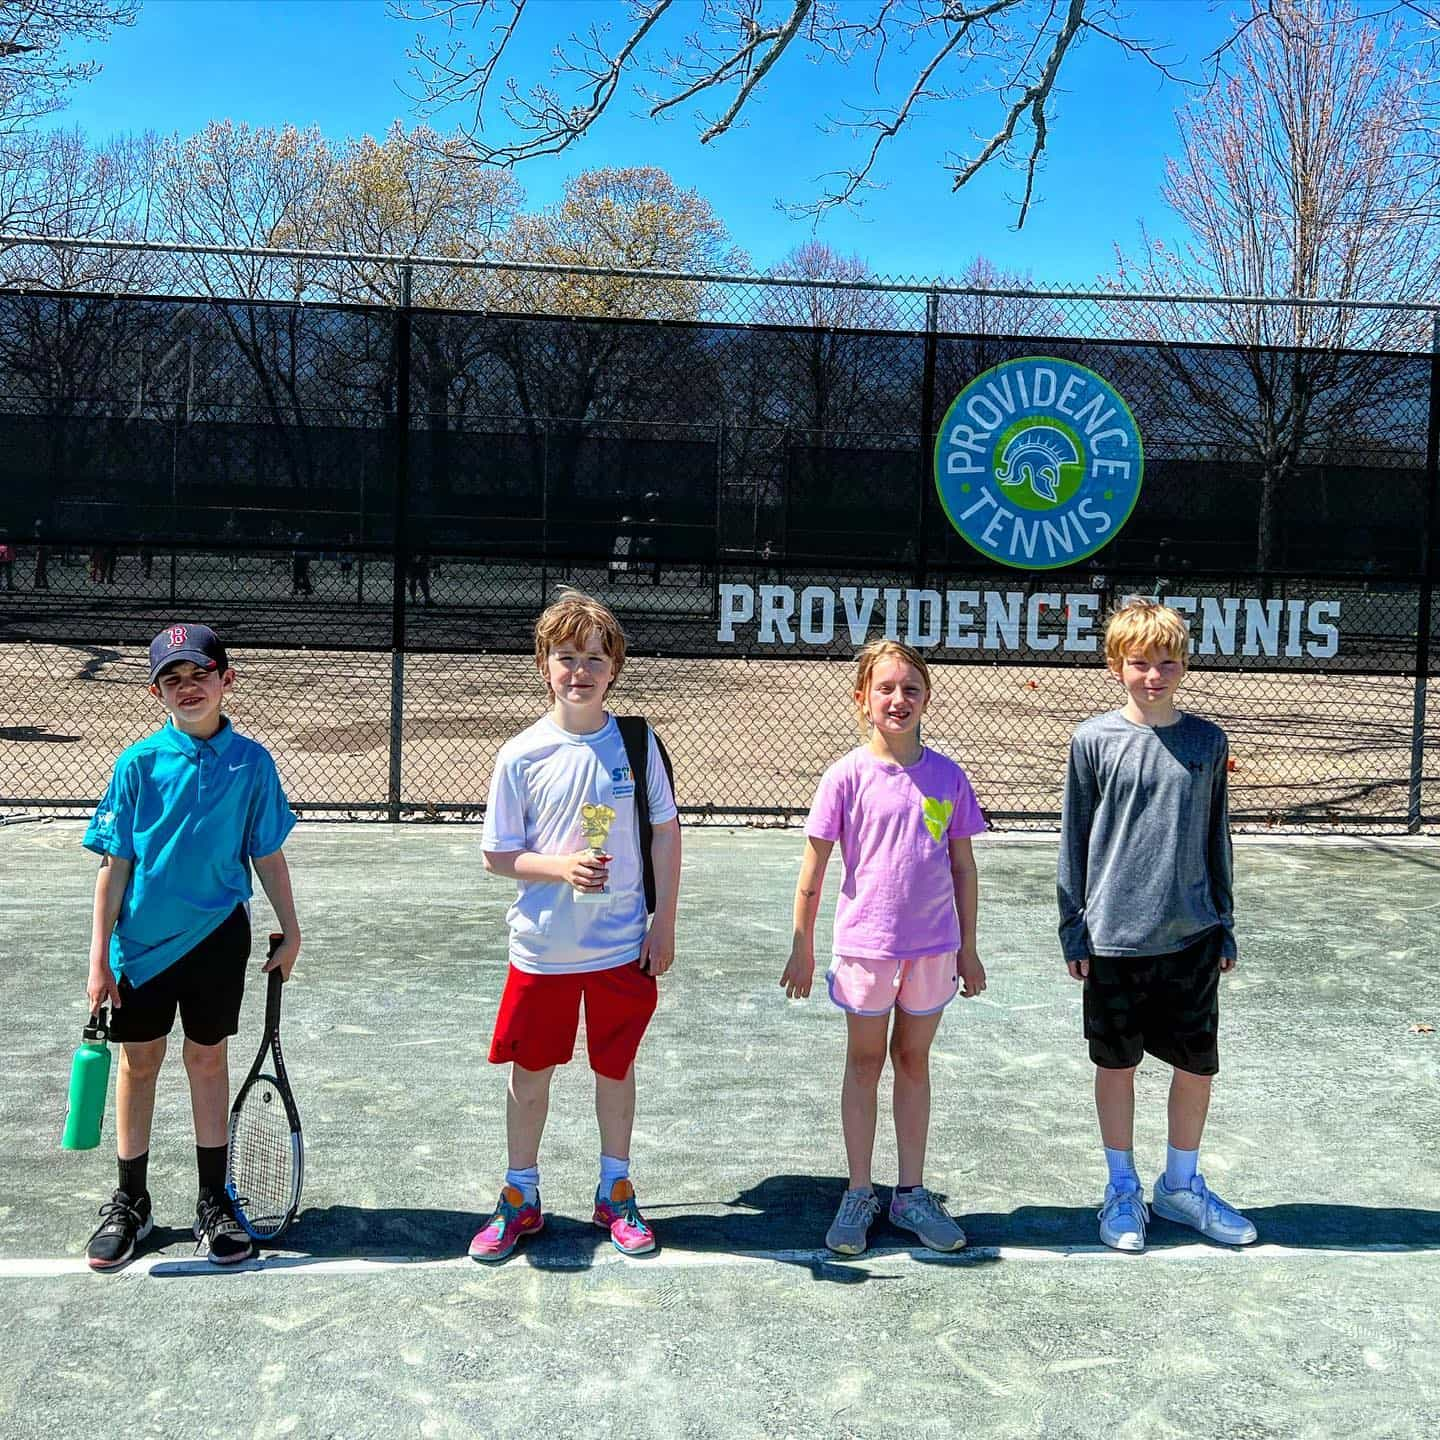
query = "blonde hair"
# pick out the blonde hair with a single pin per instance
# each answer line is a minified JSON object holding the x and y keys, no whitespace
{"x":1140,"y":625}
{"x":570,"y":620}
{"x":870,"y":657}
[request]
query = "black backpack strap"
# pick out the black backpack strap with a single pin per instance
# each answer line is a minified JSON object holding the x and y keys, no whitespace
{"x":635,"y":733}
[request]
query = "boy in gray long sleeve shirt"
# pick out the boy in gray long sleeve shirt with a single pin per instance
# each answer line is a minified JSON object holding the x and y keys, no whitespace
{"x":1145,"y":916}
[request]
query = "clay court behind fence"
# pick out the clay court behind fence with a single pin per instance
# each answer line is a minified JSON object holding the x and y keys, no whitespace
{"x":372,"y":501}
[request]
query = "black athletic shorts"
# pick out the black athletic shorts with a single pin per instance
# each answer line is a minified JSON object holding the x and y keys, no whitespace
{"x":205,"y":984}
{"x":1166,"y":1005}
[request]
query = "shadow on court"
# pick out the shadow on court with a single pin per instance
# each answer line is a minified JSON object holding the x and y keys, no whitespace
{"x":772,"y":1222}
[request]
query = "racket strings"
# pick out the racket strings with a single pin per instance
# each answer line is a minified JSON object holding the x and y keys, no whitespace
{"x":262,"y":1157}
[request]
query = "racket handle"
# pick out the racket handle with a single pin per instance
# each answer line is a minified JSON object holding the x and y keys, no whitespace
{"x":277,"y":939}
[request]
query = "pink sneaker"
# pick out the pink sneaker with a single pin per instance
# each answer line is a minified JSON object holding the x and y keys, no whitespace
{"x":502,"y":1231}
{"x":620,"y":1215}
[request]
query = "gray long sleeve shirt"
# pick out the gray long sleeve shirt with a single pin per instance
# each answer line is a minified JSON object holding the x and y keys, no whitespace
{"x":1144,"y":838}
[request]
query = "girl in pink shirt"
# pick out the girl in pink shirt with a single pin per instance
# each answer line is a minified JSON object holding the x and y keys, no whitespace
{"x":904,"y":930}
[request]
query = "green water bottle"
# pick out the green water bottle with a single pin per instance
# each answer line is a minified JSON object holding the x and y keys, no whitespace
{"x":89,"y":1083}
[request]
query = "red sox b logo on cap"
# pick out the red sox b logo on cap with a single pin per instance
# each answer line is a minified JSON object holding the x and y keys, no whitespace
{"x":177,"y":636}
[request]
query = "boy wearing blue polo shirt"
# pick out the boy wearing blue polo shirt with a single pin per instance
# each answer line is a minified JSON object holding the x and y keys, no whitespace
{"x":189,"y":810}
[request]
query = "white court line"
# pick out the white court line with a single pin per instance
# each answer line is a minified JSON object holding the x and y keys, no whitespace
{"x":574,"y":1261}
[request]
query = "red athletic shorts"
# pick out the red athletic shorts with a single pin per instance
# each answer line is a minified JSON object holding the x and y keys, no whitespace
{"x":540,"y":1014}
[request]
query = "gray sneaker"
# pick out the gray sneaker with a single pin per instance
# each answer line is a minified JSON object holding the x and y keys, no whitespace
{"x":1123,"y":1217}
{"x":1197,"y":1206}
{"x":849,"y":1235}
{"x":923,"y":1215}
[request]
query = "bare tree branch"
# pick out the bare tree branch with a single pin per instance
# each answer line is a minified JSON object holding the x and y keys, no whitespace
{"x":969,"y":51}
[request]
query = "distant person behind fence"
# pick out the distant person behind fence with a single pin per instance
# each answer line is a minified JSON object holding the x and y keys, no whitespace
{"x":300,"y":568}
{"x":42,"y":558}
{"x":417,"y":573}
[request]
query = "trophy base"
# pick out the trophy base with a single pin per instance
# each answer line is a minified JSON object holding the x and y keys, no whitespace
{"x":592,"y":897}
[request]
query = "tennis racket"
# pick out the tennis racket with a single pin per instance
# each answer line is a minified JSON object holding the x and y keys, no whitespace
{"x":265,"y":1168}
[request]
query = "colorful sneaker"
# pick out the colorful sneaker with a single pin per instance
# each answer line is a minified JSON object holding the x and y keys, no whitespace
{"x":123,"y":1223}
{"x":513,"y":1217}
{"x":220,"y":1232}
{"x":1123,"y":1218}
{"x":1200,"y":1208}
{"x":925,"y":1217}
{"x":620,"y":1215}
{"x":850,"y":1233}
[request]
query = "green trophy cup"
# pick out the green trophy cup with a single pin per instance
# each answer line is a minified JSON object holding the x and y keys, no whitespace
{"x":595,"y":821}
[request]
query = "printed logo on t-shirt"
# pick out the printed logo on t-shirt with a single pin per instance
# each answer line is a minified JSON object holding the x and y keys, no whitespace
{"x":621,"y":782}
{"x":937,"y":817}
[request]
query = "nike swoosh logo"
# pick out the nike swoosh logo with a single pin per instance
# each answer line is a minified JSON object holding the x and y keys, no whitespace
{"x":234,"y":768}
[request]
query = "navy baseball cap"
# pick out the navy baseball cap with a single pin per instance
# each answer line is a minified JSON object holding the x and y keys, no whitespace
{"x":196,"y":643}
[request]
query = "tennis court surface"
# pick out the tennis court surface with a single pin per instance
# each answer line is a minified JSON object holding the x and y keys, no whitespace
{"x":370,"y":1321}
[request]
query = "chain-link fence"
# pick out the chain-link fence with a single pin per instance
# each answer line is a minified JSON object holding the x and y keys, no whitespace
{"x":370,"y":473}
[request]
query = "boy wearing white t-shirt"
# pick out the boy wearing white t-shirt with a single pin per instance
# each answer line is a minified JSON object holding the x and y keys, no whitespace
{"x":562,"y":821}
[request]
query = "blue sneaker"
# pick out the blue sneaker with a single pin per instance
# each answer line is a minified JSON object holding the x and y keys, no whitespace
{"x":1201,"y":1209}
{"x":1123,"y":1218}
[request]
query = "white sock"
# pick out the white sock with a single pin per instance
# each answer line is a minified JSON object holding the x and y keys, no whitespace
{"x":1180,"y":1167}
{"x":527,"y":1182}
{"x":612,"y":1170}
{"x":1121,"y":1165}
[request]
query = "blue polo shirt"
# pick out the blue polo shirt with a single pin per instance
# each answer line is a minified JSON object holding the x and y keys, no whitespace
{"x":190,"y":815}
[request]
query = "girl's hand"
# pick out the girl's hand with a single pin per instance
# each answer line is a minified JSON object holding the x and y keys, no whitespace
{"x":657,"y":949}
{"x":972,"y":973}
{"x":799,"y":972}
{"x":1079,"y":969}
{"x":100,"y":988}
{"x":585,"y":870}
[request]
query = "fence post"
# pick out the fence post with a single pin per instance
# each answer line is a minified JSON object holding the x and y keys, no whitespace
{"x":927,"y":426}
{"x":1425,"y":609}
{"x":403,"y":319}
{"x":544,"y":517}
{"x":715,"y":550}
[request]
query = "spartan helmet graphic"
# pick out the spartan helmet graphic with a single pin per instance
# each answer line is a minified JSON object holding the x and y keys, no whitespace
{"x":1034,"y":457}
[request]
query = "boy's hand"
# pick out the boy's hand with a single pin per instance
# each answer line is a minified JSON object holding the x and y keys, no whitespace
{"x":1228,"y":963}
{"x":585,"y":870}
{"x":283,"y":960}
{"x":657,"y":949}
{"x":1079,"y":969}
{"x":972,"y":973}
{"x":799,"y":973}
{"x":100,"y":988}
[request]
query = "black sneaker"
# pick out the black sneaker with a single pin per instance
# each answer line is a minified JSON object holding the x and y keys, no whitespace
{"x":123,"y":1222}
{"x":217,"y":1228}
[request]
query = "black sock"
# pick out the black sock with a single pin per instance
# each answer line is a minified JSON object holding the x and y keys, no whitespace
{"x":905,"y":1189}
{"x":134,"y":1175}
{"x":210,"y":1161}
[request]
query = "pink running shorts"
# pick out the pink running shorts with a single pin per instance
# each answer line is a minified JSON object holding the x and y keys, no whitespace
{"x":920,"y":985}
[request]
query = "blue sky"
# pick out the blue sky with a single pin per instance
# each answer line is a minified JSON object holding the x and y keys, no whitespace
{"x":340,"y":64}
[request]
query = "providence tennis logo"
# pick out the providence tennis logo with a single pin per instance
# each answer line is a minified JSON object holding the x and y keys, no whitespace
{"x":1038,"y":463}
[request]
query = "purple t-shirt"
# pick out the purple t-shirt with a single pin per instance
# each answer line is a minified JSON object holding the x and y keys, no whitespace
{"x":894,"y":826}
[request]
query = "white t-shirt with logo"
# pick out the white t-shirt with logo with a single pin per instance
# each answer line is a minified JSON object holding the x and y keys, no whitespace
{"x":543,"y":778}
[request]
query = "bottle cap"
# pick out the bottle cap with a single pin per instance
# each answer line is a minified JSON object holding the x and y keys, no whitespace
{"x":97,"y":1028}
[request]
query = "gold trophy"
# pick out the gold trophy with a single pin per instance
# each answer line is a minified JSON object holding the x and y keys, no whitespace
{"x":595,"y":821}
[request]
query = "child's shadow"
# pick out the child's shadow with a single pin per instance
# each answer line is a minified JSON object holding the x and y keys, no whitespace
{"x":783,"y":1220}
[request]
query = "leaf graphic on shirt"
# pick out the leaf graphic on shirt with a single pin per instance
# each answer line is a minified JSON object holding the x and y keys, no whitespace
{"x":937,"y":817}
